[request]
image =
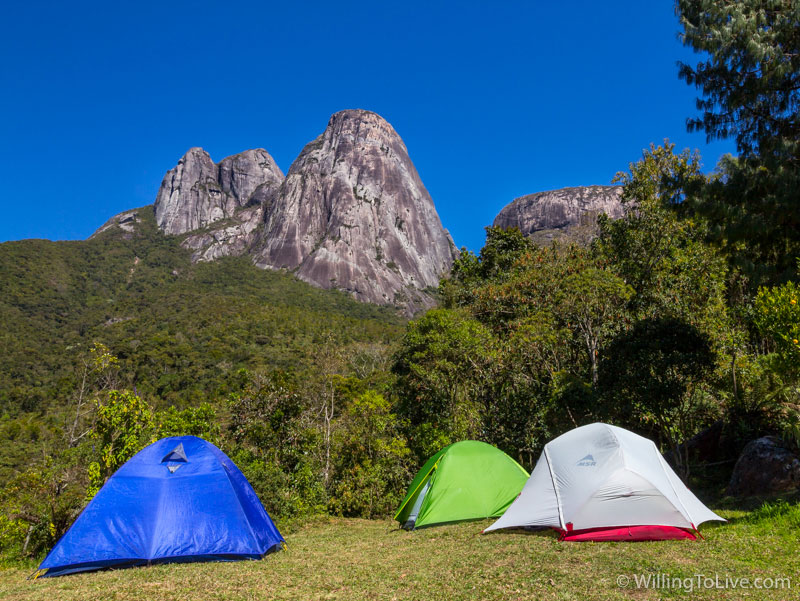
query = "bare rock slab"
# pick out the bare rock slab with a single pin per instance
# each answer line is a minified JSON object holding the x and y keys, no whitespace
{"x":545,"y":216}
{"x":354,"y":215}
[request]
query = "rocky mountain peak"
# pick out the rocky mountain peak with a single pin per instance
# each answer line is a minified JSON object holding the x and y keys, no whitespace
{"x":545,"y":216}
{"x":242,"y":174}
{"x":353,"y":214}
{"x":198,"y":192}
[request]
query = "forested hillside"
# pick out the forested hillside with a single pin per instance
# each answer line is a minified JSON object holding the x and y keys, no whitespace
{"x":129,"y":311}
{"x":180,"y":331}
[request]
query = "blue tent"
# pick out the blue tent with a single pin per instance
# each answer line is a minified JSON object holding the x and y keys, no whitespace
{"x":180,"y":499}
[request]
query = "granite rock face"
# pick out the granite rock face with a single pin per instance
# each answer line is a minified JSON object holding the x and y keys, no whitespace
{"x":124,"y":221}
{"x":229,"y":237}
{"x":251,"y":177}
{"x":198,"y":193}
{"x":351,"y":214}
{"x":354,"y":215}
{"x":545,"y":216}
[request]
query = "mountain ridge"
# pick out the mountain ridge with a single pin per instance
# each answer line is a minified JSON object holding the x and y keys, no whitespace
{"x":351,"y":213}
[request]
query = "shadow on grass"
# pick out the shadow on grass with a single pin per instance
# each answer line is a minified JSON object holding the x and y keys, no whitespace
{"x":758,"y":502}
{"x":540,"y":531}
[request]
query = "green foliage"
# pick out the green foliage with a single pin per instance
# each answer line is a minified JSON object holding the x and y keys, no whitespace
{"x":130,"y":310}
{"x":565,"y":301}
{"x":754,"y":207}
{"x":198,"y":421}
{"x":659,"y":178}
{"x":40,"y":502}
{"x":181,"y":332}
{"x":751,"y":84}
{"x":272,"y":427}
{"x":549,"y":316}
{"x":777,"y":316}
{"x":268,"y":416}
{"x":123,"y":426}
{"x":763,"y":402}
{"x":441,"y":369}
{"x":280,"y":445}
{"x":286,"y":495}
{"x":751,"y":78}
{"x":502,"y":249}
{"x":590,"y":299}
{"x":665,"y":258}
{"x":372,"y":459}
{"x":487,"y":370}
{"x":653,"y":375}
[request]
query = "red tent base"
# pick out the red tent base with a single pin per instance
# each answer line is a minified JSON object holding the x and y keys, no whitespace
{"x":629,"y":533}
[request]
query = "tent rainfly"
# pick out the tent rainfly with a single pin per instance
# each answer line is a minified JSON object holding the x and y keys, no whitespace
{"x":180,"y":499}
{"x":601,"y":482}
{"x":468,"y":480}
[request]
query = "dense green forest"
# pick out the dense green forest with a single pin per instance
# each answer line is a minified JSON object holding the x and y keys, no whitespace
{"x":179,"y":330}
{"x":129,"y":312}
{"x":681,"y":315}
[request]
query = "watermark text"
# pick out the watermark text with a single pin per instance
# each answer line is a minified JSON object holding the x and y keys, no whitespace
{"x":702,"y":581}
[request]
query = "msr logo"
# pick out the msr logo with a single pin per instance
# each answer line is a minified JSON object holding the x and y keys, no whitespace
{"x":587,"y":461}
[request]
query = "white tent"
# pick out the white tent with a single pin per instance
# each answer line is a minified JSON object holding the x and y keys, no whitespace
{"x":601,"y":482}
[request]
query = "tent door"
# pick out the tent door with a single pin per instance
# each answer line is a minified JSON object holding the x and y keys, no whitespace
{"x":412,"y":518}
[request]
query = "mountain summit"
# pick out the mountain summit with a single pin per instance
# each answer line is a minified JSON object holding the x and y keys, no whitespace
{"x":197,"y":193}
{"x":351,"y":214}
{"x":556,"y":214}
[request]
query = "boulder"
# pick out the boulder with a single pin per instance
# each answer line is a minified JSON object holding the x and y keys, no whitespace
{"x":765,"y":466}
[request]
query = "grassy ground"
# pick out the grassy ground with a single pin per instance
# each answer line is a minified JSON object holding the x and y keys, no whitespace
{"x":362,"y":559}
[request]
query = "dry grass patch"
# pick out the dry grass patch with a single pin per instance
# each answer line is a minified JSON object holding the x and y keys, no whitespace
{"x":361,"y":559}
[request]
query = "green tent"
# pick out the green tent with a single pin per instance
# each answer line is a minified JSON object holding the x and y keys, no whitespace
{"x":468,"y":480}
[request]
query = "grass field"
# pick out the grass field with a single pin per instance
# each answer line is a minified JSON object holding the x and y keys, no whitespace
{"x":362,"y":559}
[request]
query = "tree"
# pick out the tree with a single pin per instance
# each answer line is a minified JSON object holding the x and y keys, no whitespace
{"x":332,"y":364}
{"x":268,"y":416}
{"x":663,"y":256}
{"x":591,"y":301}
{"x":777,"y":315}
{"x":123,"y":426}
{"x":751,"y":87}
{"x":753,"y":205}
{"x":276,"y":444}
{"x":39,"y":503}
{"x":195,"y":421}
{"x":372,"y":459}
{"x":442,"y":367}
{"x":751,"y":79}
{"x":653,"y":375}
{"x":98,"y":374}
{"x":501,"y":251}
{"x":487,"y":370}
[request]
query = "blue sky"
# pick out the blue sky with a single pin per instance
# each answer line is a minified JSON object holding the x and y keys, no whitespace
{"x":493,"y":100}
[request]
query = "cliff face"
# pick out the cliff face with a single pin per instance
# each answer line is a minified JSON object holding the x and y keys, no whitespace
{"x":353,"y":214}
{"x":557,"y":213}
{"x":198,"y":193}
